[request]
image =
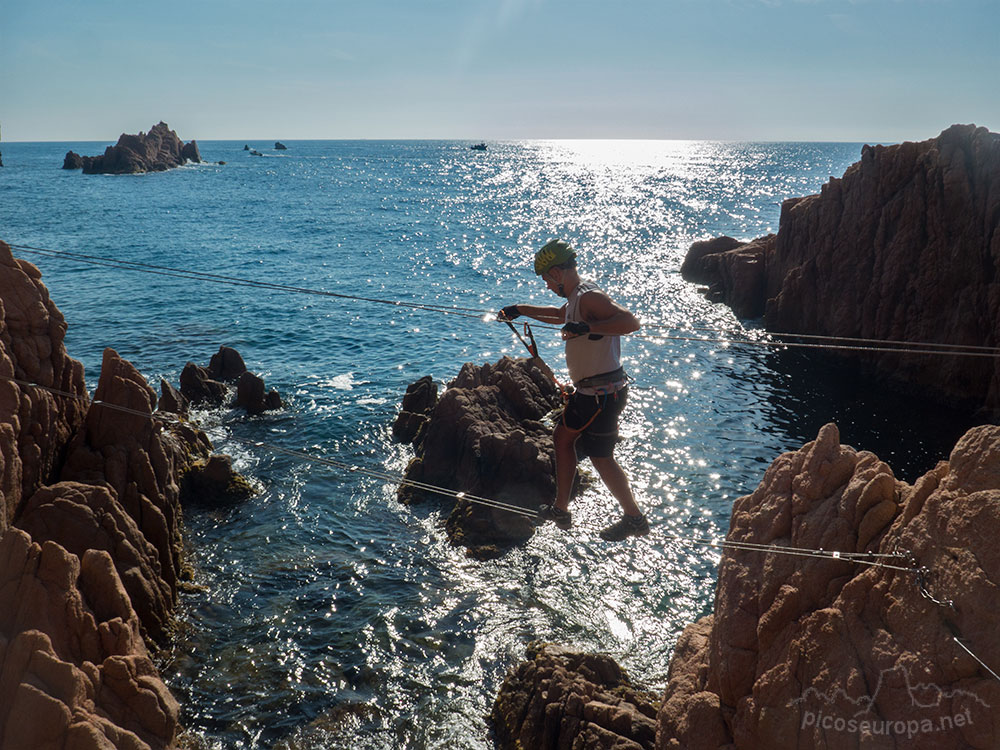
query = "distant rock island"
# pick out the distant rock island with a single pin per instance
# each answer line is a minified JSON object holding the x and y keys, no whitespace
{"x":904,"y":247}
{"x":156,"y":151}
{"x":279,"y":146}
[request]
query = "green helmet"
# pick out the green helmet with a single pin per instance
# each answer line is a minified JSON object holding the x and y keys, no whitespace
{"x":553,"y":253}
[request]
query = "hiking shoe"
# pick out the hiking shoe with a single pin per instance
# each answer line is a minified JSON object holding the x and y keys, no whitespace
{"x":625,"y":527}
{"x":561,"y":518}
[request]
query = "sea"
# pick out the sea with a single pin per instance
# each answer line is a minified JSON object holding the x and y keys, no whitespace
{"x":325,"y":613}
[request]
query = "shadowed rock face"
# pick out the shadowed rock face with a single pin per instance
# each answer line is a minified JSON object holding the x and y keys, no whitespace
{"x":484,"y":435}
{"x":905,"y":246}
{"x":156,"y":151}
{"x":795,"y":638}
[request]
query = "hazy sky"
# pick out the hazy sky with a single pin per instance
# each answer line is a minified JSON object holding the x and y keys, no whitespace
{"x":853,"y":70}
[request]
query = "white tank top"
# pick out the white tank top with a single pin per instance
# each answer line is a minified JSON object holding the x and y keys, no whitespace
{"x":586,"y":357}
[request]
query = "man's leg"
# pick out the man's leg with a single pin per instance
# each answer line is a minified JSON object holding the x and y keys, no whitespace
{"x":614,"y":478}
{"x":565,"y":444}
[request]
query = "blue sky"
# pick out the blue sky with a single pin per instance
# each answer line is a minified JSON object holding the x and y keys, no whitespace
{"x":849,"y":70}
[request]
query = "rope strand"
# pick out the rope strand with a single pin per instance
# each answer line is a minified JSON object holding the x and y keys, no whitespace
{"x":818,"y":341}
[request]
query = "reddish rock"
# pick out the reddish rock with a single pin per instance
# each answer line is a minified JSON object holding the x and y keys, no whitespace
{"x":139,"y":458}
{"x":74,"y":671}
{"x":561,"y":698}
{"x":485,"y":436}
{"x":252,"y":395}
{"x":171,"y":399}
{"x":156,"y":151}
{"x":198,"y":387}
{"x":82,"y":517}
{"x":418,"y":402}
{"x":73,"y":160}
{"x":905,"y":246}
{"x":226,"y":365}
{"x":794,"y":639}
{"x":35,"y":425}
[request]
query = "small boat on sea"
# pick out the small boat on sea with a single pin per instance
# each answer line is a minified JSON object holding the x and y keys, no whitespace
{"x":478,"y":146}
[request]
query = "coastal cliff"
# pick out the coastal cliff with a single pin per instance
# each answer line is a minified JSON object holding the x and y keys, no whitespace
{"x":814,"y":651}
{"x":905,"y":246}
{"x":90,"y":537}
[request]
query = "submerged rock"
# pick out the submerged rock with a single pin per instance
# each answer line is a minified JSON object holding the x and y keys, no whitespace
{"x":485,"y":436}
{"x":212,"y":481}
{"x":904,"y":247}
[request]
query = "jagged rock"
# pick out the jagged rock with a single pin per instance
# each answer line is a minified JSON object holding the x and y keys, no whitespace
{"x":73,"y":160}
{"x":417,"y":404}
{"x":35,"y":425}
{"x":199,"y":387}
{"x":212,"y":481}
{"x":81,"y":517}
{"x":904,"y":247}
{"x":694,"y":269}
{"x":156,"y":151}
{"x":250,"y":394}
{"x":485,"y":437}
{"x":794,"y":639}
{"x":74,"y":671}
{"x":140,"y":459}
{"x":171,"y":400}
{"x":279,"y":146}
{"x":735,"y":272}
{"x":226,"y":365}
{"x":561,"y":698}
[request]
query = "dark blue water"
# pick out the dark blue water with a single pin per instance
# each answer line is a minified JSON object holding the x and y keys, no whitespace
{"x":331,"y":615}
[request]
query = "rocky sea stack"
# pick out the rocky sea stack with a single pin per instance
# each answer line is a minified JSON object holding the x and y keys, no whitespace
{"x":156,"y":151}
{"x":91,"y":554}
{"x":484,"y":436}
{"x":904,"y":247}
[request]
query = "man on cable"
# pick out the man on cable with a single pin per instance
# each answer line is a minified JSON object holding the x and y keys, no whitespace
{"x":592,"y":330}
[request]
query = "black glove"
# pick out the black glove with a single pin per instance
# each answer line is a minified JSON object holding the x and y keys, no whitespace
{"x":509,"y":313}
{"x":576,"y":329}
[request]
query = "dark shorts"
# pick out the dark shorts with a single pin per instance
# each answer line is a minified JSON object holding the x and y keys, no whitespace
{"x":596,"y":418}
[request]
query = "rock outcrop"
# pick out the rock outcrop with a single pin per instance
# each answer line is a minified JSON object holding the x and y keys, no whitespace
{"x":35,"y":425}
{"x":210,"y":386}
{"x":90,"y":536}
{"x":74,"y":671}
{"x":562,"y":698}
{"x":484,"y":436}
{"x":73,"y":160}
{"x":821,"y":652}
{"x":904,"y":247}
{"x":156,"y":151}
